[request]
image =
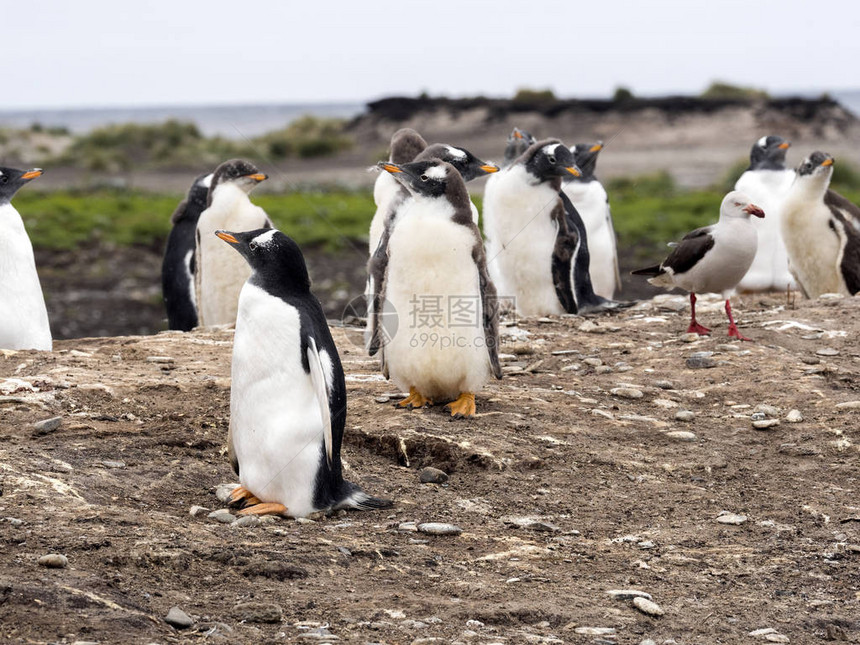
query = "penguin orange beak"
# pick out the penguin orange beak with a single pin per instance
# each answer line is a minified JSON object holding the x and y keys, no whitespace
{"x":517,"y":134}
{"x":827,"y":162}
{"x":489,"y":168}
{"x":597,"y":147}
{"x":32,"y":174}
{"x":752,"y":209}
{"x":258,"y":176}
{"x":224,"y":235}
{"x":573,"y":170}
{"x":785,"y":145}
{"x":390,"y":167}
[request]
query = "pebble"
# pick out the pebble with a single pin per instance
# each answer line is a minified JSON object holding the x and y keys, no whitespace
{"x":727,"y":348}
{"x":685,"y":415}
{"x":690,"y":338}
{"x":590,"y":327}
{"x":648,"y":606}
{"x":647,"y":641}
{"x":770,"y":634}
{"x":594,"y":362}
{"x":107,"y":463}
{"x":159,"y":359}
{"x":197,"y":511}
{"x":54,"y":561}
{"x":664,"y":385}
{"x":769,"y":410}
{"x":827,"y":351}
{"x":681,"y":435}
{"x":628,"y":594}
{"x":595,"y":631}
{"x":757,"y":416}
{"x":411,"y":527}
{"x":439,"y":528}
{"x":700,"y":362}
{"x":601,"y":413}
{"x":667,"y":404}
{"x":731,"y":518}
{"x":432,"y":475}
{"x":222,"y":492}
{"x":47,"y":426}
{"x":848,"y":405}
{"x":178,"y":618}
{"x":627,"y":392}
{"x":247,"y":521}
{"x":603,"y":369}
{"x":474,"y":624}
{"x":764,"y":424}
{"x":532,"y":524}
{"x":257,"y":612}
{"x":810,"y":360}
{"x":222,"y":515}
{"x":794,"y":416}
{"x":382,"y":399}
{"x":14,"y":521}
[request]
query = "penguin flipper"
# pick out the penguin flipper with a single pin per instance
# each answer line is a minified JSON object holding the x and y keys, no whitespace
{"x":377,"y":268}
{"x":566,"y":243}
{"x":231,"y":451}
{"x":614,"y":247}
{"x":489,"y":306}
{"x":320,"y":385}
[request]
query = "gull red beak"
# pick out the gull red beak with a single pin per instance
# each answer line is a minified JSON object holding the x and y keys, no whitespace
{"x":752,"y":209}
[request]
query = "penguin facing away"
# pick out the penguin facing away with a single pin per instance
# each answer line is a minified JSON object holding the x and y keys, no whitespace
{"x":591,"y":202}
{"x":178,"y":266}
{"x":220,"y":273}
{"x":767,"y":182}
{"x":288,"y":394}
{"x":821,"y":230}
{"x":443,"y":342}
{"x":23,"y":316}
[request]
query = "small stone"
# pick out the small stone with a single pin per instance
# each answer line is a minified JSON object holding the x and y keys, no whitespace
{"x":222,"y":515}
{"x":664,"y":385}
{"x":247,"y":521}
{"x":727,"y":348}
{"x":758,"y":416}
{"x":794,"y":416}
{"x":681,"y":435}
{"x":382,"y":399}
{"x":601,"y":413}
{"x":764,"y":424}
{"x":178,"y":618}
{"x":731,"y":518}
{"x":648,"y":606}
{"x":685,"y":415}
{"x":810,"y":360}
{"x":53,"y":561}
{"x":603,"y":369}
{"x":647,"y":641}
{"x":593,"y":362}
{"x":107,"y":463}
{"x":197,"y":511}
{"x":690,"y":338}
{"x":474,"y":624}
{"x":159,"y":359}
{"x":47,"y":425}
{"x":700,"y":362}
{"x":769,"y":410}
{"x":628,"y":594}
{"x":590,"y":327}
{"x":257,"y":612}
{"x":848,"y":405}
{"x":646,"y":544}
{"x":827,"y":351}
{"x":15,"y":522}
{"x":222,"y":492}
{"x":627,"y":392}
{"x":432,"y":475}
{"x":595,"y":631}
{"x":410,"y":527}
{"x":532,"y":524}
{"x":439,"y":528}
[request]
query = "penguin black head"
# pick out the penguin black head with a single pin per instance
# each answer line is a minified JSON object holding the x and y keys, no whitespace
{"x":518,"y":142}
{"x":406,"y":144}
{"x":768,"y":153}
{"x":585,"y":157}
{"x":276,"y":260}
{"x":549,"y":159}
{"x":467,"y":164}
{"x":11,"y":179}
{"x":432,"y":179}
{"x":238,"y":172}
{"x":816,"y":164}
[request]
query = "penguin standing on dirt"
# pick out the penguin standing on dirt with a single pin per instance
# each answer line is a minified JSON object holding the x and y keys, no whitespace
{"x":591,"y":202}
{"x":220,"y":273}
{"x":442,"y":344}
{"x":23,"y":316}
{"x":288,"y":394}
{"x":767,"y":182}
{"x":537,"y":245}
{"x":821,"y":230}
{"x":177,"y":268}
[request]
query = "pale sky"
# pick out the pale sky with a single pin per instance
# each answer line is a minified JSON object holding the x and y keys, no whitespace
{"x":58,"y":53}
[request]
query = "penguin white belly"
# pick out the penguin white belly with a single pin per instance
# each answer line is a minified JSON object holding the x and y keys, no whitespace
{"x":589,"y":199}
{"x":768,"y":189}
{"x":726,"y":263}
{"x":23,"y":316}
{"x":437,"y":338}
{"x":222,"y":272}
{"x":277,"y":428}
{"x":814,"y":248}
{"x":522,"y":238}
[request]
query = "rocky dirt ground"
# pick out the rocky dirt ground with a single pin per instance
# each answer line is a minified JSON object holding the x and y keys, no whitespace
{"x":615,"y":454}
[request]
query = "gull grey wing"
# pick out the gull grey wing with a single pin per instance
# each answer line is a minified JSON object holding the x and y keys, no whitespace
{"x":690,"y":250}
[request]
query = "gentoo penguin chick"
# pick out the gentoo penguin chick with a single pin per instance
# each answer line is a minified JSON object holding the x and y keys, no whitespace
{"x":591,"y":202}
{"x":821,"y":230}
{"x":288,"y":395}
{"x":537,"y":246}
{"x":712,"y":259}
{"x":220,"y":273}
{"x":443,"y":342}
{"x":518,"y":142}
{"x":23,"y":317}
{"x":767,"y":182}
{"x":406,"y":143}
{"x":177,"y":268}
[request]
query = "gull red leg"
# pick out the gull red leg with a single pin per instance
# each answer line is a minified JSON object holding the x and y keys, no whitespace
{"x":733,"y":328}
{"x":695,"y":328}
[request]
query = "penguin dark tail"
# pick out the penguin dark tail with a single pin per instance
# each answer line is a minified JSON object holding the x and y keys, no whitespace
{"x":359,"y":500}
{"x":650,"y":271}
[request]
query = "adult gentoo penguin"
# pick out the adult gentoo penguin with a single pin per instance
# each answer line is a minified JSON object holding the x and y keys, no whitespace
{"x":591,"y":202}
{"x":443,"y":343}
{"x":23,"y":317}
{"x":712,"y":259}
{"x":177,"y":268}
{"x":406,"y":143}
{"x":537,"y":246}
{"x":821,"y":230}
{"x":767,"y":182}
{"x":220,"y":273}
{"x":288,"y":395}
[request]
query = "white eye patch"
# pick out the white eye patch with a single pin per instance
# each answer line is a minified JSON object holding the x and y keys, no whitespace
{"x":762,"y":142}
{"x":550,"y":149}
{"x":573,"y":150}
{"x":456,"y":152}
{"x":435,"y":172}
{"x":265,"y":239}
{"x":206,"y":182}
